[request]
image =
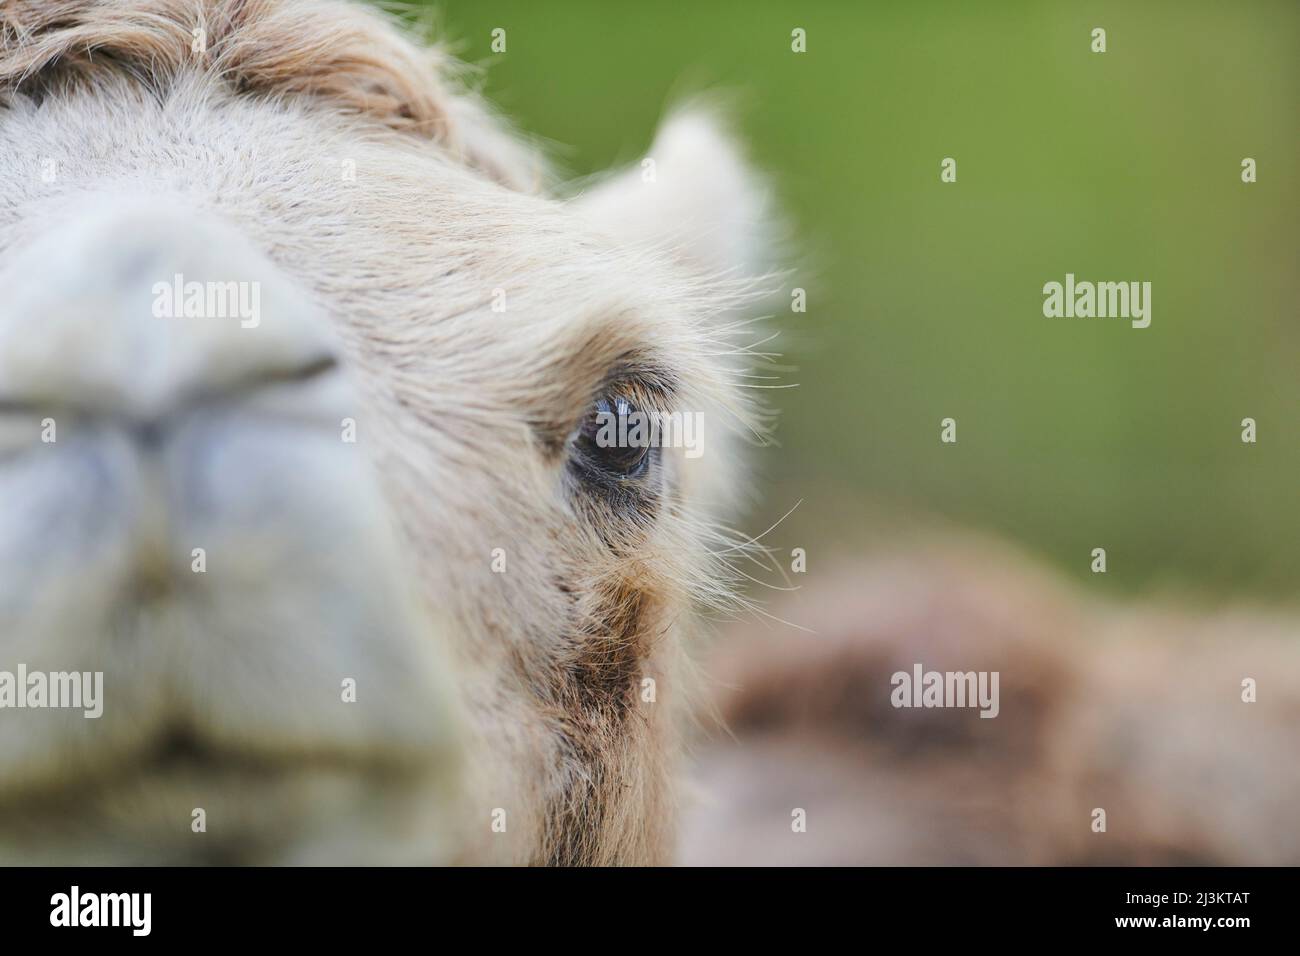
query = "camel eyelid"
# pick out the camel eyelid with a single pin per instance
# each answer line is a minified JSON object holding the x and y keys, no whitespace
{"x":648,"y":385}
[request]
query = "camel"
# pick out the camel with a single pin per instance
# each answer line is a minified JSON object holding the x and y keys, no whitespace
{"x":360,"y":581}
{"x":316,"y":548}
{"x":1141,"y":732}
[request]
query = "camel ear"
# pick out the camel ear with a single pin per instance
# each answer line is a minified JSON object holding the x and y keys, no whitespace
{"x":692,"y":196}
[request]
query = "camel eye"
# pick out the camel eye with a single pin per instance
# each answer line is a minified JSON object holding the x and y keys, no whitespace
{"x":614,"y":440}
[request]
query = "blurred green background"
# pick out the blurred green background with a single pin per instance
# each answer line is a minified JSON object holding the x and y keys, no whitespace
{"x":925,"y":298}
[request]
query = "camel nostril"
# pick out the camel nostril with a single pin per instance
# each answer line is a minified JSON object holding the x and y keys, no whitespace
{"x":307,"y":371}
{"x":178,"y":744}
{"x":320,"y":366}
{"x":151,"y":583}
{"x":149,"y":434}
{"x":313,"y":368}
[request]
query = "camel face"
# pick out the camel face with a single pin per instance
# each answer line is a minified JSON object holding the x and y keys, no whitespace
{"x":301,"y":394}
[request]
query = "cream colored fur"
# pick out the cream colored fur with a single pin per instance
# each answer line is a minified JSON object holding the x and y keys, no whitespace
{"x":462,"y":411}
